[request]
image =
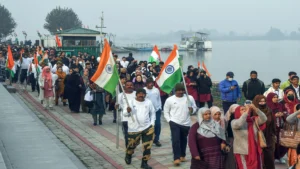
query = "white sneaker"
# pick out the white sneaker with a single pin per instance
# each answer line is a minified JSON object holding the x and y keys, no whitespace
{"x":282,"y":161}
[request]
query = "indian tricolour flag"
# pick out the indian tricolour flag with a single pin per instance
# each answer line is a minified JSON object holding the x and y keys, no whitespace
{"x":10,"y":64}
{"x":106,"y":75}
{"x":155,"y":56}
{"x":170,"y":73}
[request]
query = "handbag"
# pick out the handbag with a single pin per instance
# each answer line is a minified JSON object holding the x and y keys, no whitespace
{"x":289,"y":136}
{"x":260,"y":136}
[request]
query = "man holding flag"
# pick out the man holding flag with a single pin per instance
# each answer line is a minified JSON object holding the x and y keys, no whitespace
{"x":178,"y":107}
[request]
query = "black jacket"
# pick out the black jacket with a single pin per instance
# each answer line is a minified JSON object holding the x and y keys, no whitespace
{"x":204,"y":85}
{"x":291,"y":87}
{"x":251,"y":88}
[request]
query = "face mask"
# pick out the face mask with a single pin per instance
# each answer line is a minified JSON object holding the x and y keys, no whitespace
{"x":291,"y":98}
{"x":230,"y":79}
{"x":80,"y":62}
{"x":262,"y":106}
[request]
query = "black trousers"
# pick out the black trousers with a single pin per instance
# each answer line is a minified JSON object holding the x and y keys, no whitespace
{"x":23,"y":76}
{"x":179,"y":135}
{"x":163,"y":100}
{"x":74,"y":102}
{"x":226,"y":105}
{"x":32,"y":82}
{"x":125,"y":132}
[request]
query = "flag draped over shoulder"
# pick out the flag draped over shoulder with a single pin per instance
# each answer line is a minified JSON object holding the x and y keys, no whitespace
{"x":36,"y":63}
{"x":106,"y":75}
{"x":10,"y":64}
{"x":155,"y":56}
{"x":170,"y":73}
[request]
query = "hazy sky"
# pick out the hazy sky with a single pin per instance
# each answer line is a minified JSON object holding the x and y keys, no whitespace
{"x":124,"y":17}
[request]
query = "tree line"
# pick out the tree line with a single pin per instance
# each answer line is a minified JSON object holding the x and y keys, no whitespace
{"x":58,"y":18}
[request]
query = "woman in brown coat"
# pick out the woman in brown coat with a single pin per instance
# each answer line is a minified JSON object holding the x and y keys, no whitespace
{"x":59,"y":90}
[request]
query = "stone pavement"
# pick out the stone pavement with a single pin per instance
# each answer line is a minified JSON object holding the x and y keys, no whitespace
{"x":102,"y":139}
{"x":26,"y":143}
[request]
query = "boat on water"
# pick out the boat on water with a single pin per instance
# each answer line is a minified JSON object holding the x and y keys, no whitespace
{"x":195,"y":41}
{"x":139,"y":47}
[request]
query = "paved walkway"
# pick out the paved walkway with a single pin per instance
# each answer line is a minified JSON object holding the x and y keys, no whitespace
{"x":102,"y":139}
{"x":26,"y":143}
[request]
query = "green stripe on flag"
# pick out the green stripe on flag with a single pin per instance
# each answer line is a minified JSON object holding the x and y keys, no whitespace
{"x":112,"y":83}
{"x":180,"y":59}
{"x":152,"y":59}
{"x":170,"y":83}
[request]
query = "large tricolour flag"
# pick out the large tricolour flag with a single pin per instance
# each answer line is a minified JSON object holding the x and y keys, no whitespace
{"x":10,"y":64}
{"x":106,"y":75}
{"x":170,"y":73}
{"x":155,"y":56}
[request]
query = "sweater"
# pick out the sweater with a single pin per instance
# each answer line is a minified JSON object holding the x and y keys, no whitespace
{"x":204,"y":85}
{"x":154,"y":96}
{"x":143,"y":113}
{"x":240,"y":132}
{"x":123,"y":105}
{"x":177,"y":110}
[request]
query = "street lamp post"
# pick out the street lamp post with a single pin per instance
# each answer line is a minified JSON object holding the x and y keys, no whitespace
{"x":101,"y":33}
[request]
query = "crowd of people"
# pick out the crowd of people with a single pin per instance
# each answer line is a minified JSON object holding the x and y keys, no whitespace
{"x":222,"y":138}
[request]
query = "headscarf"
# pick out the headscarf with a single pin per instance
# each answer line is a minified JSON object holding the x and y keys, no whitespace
{"x":256,"y":101}
{"x":61,"y":75}
{"x":275,"y":107}
{"x":47,"y":75}
{"x":214,"y":110}
{"x":230,"y":111}
{"x":289,"y":104}
{"x":253,"y":145}
{"x":209,"y":128}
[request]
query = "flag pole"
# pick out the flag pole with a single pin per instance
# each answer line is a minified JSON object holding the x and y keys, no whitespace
{"x":187,"y":94}
{"x":127,"y":102}
{"x":117,"y":113}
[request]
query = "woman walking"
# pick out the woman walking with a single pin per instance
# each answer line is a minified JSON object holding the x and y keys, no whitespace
{"x":269,"y":133}
{"x":47,"y":83}
{"x":206,"y":140}
{"x":59,"y":89}
{"x":279,"y":115}
{"x":98,"y":107}
{"x":247,"y":151}
{"x":230,"y":162}
{"x":293,"y":119}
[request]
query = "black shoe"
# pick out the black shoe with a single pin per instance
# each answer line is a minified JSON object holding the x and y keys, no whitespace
{"x":64,"y":103}
{"x":144,"y":165}
{"x":100,"y":122}
{"x":128,"y":159}
{"x":114,"y":121}
{"x":157,"y":143}
{"x":95,"y":124}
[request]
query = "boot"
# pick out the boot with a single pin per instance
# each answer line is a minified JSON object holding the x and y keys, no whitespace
{"x":100,"y":119}
{"x":128,"y":159}
{"x":64,"y":103}
{"x":144,"y":165}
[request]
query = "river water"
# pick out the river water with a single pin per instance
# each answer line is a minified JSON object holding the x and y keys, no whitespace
{"x":271,"y":59}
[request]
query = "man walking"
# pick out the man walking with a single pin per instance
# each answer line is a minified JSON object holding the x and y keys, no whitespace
{"x":153,"y":95}
{"x":130,"y":94}
{"x":177,"y":111}
{"x":230,"y":91}
{"x":253,"y":86}
{"x":143,"y":112}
